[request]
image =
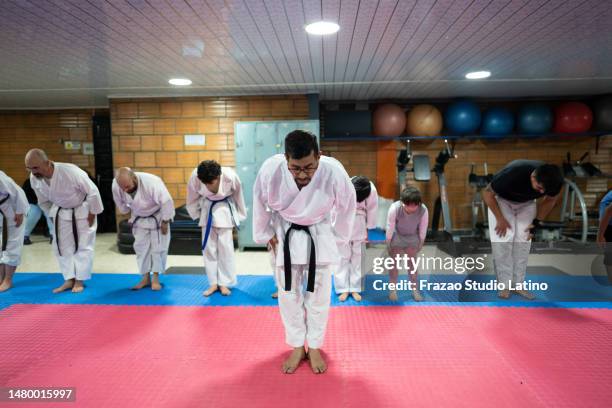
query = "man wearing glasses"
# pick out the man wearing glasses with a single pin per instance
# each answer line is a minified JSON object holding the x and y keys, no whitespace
{"x":294,"y":197}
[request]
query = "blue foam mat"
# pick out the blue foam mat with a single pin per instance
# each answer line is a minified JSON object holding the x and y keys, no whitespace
{"x":186,"y":290}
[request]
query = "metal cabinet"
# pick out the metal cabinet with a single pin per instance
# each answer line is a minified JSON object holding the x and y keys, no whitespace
{"x":255,"y":142}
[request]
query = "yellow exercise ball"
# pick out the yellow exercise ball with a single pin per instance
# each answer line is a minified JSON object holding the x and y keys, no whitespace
{"x":424,"y":120}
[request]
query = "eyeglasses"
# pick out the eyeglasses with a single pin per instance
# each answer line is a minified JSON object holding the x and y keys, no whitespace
{"x":308,"y":170}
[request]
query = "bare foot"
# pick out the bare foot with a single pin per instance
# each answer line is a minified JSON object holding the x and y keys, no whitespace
{"x":67,"y":285}
{"x":356,"y":296}
{"x":393,"y":296}
{"x":225,"y":291}
{"x":293,"y":361}
{"x":155,"y":285}
{"x":343,"y":296}
{"x":275,"y":295}
{"x":503,"y":294}
{"x":212,"y":289}
{"x":78,"y":287}
{"x":316,"y":361}
{"x":144,"y":282}
{"x":6,"y":285}
{"x":416,"y":295}
{"x":525,"y":293}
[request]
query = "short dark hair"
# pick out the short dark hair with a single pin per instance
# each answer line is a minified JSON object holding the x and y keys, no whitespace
{"x":362,"y":187}
{"x":300,"y":143}
{"x":208,"y":170}
{"x":411,"y":195}
{"x":550,"y":177}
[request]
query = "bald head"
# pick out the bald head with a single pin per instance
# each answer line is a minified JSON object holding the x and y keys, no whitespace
{"x":127,"y":180}
{"x":37,"y":162}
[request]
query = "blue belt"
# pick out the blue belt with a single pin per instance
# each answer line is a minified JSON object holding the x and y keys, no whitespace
{"x":210,"y":219}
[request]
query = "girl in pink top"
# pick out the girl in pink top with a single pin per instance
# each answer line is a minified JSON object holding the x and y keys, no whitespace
{"x":406,"y":230}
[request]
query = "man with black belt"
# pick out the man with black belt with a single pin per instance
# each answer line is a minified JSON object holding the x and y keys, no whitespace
{"x":604,"y":234}
{"x":303,"y":203}
{"x":151,"y":209}
{"x":514,"y":213}
{"x":13,"y":207}
{"x":72,"y":201}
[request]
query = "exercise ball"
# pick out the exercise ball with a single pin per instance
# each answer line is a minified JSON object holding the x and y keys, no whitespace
{"x":534,"y":118}
{"x":424,"y":120}
{"x":573,"y":117}
{"x":602,"y":111}
{"x":389,"y":120}
{"x":462,"y":117}
{"x":497,"y":122}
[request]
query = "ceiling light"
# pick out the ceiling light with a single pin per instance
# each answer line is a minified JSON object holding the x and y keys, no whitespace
{"x":322,"y":28}
{"x":180,"y":81}
{"x":478,"y":75}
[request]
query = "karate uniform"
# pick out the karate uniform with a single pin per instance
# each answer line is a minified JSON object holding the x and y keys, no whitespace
{"x":350,"y":274}
{"x":68,"y":198}
{"x":228,"y":210}
{"x":151,"y":204}
{"x":12,"y":201}
{"x":277,"y":198}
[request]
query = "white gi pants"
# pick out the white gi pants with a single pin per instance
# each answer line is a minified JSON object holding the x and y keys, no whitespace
{"x":511,"y":252}
{"x":349,"y":275}
{"x":304,"y":314}
{"x":12,"y":255}
{"x":219,"y":257}
{"x":151,"y":247}
{"x":75,"y":265}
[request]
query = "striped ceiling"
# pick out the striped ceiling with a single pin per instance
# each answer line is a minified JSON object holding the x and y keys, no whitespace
{"x":60,"y":53}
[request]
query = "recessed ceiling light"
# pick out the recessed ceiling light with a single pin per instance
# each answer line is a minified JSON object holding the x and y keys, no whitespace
{"x":322,"y":28}
{"x":180,"y":81}
{"x":478,"y":75}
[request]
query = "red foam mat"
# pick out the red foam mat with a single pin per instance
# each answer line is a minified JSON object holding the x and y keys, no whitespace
{"x":167,"y":356}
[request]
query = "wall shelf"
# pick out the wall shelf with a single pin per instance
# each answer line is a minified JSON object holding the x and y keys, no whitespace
{"x":457,"y":137}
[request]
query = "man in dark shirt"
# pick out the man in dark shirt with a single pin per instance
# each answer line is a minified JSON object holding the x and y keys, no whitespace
{"x":513,"y":213}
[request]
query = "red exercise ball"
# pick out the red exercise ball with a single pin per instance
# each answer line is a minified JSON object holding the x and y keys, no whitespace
{"x":573,"y":117}
{"x":389,"y":120}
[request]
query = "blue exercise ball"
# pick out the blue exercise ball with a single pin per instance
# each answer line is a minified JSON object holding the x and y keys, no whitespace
{"x":497,"y":122}
{"x":462,"y":117}
{"x":535,"y":118}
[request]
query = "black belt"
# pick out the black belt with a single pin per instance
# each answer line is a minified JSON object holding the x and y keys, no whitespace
{"x":156,"y":223}
{"x":312,"y":263}
{"x":4,"y":225}
{"x":75,"y":231}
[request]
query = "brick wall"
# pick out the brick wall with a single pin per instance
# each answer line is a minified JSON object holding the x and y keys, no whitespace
{"x":148,"y":134}
{"x":24,"y":130}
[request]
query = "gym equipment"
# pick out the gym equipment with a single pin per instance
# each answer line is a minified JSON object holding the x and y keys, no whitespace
{"x":424,"y":120}
{"x":580,"y":168}
{"x":498,"y":122}
{"x":534,"y":118}
{"x":462,"y":117}
{"x":420,"y":166}
{"x":480,"y":229}
{"x":389,"y":120}
{"x":573,"y":117}
{"x":602,"y":111}
{"x":441,"y":207}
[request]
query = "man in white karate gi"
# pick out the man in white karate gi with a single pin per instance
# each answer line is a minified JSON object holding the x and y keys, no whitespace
{"x":13,"y":206}
{"x":67,"y":195}
{"x":299,"y":191}
{"x":214,"y":195}
{"x":151,"y":209}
